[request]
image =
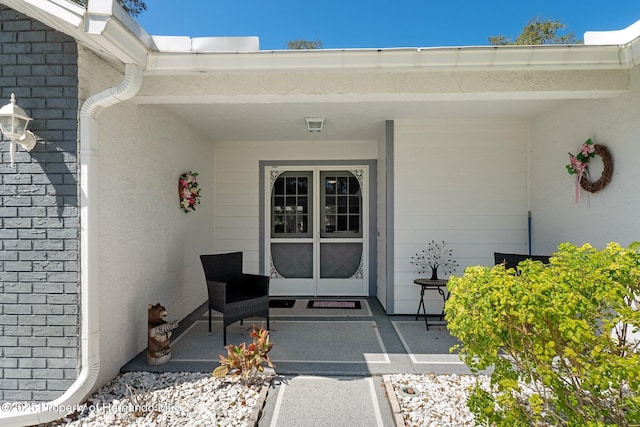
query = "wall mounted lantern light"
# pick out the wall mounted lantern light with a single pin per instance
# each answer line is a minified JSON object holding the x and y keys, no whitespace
{"x":13,"y":124}
{"x":314,"y":124}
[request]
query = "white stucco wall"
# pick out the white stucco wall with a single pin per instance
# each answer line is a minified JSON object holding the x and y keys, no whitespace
{"x":461,"y":182}
{"x":149,"y":248}
{"x":606,"y":216}
{"x":236,"y":166}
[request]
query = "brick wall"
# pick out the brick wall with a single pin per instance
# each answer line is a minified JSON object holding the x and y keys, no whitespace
{"x":39,"y":246}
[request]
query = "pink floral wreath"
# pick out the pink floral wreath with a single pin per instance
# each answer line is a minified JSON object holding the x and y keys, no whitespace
{"x":578,"y":166}
{"x":189,"y":191}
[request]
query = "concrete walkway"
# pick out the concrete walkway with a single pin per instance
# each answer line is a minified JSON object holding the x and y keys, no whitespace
{"x":321,"y":401}
{"x":330,"y":366}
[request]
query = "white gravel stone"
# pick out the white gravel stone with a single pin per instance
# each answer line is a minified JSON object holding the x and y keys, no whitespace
{"x":167,"y":399}
{"x":440,"y":400}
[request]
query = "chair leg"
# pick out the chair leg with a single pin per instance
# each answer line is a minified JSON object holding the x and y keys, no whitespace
{"x":224,"y":335}
{"x":241,"y":322}
{"x":209,"y":321}
{"x":267,"y":323}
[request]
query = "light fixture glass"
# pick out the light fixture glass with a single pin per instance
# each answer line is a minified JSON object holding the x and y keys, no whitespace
{"x":13,"y":120}
{"x":314,"y":124}
{"x":13,"y":124}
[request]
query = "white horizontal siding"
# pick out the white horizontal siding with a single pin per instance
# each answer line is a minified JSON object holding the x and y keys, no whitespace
{"x":464,"y":183}
{"x":610,"y":215}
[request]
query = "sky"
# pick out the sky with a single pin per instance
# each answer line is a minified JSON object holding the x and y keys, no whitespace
{"x":378,"y":24}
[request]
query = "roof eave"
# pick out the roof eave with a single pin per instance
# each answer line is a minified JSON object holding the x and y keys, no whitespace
{"x":103,"y":27}
{"x":107,"y":29}
{"x":59,"y":14}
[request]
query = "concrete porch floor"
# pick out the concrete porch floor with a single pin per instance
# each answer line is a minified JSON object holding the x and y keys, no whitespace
{"x":330,"y":364}
{"x":320,"y":342}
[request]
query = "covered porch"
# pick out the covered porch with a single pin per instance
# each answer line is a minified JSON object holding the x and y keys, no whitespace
{"x":456,"y":151}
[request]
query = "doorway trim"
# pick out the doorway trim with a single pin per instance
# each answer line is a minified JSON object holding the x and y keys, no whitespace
{"x":372,"y":220}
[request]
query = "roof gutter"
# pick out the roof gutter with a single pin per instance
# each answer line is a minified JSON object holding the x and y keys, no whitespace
{"x":472,"y":58}
{"x":89,"y":249}
{"x":117,"y":34}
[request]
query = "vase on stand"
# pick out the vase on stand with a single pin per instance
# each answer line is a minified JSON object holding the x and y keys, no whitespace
{"x":434,"y":273}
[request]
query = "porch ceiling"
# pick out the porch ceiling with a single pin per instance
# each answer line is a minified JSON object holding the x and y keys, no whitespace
{"x":363,"y":120}
{"x":271,"y":105}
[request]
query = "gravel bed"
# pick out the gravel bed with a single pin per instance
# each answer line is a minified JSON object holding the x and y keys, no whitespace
{"x":437,"y":400}
{"x":167,"y":399}
{"x":197,"y":399}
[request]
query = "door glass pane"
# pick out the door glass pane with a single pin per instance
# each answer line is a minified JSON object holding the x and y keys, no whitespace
{"x":342,"y":185}
{"x":343,"y":205}
{"x":278,"y":223}
{"x":330,"y":185}
{"x":278,"y":187}
{"x":290,"y":205}
{"x":354,"y":223}
{"x":354,"y":185}
{"x":354,"y":205}
{"x":303,"y":186}
{"x":291,"y":185}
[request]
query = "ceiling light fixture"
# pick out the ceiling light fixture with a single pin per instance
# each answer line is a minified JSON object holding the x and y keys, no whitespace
{"x":314,"y":124}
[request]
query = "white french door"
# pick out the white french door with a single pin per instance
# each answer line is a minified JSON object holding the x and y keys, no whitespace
{"x":316,"y":241}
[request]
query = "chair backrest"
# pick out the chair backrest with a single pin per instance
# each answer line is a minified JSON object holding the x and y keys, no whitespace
{"x":512,"y":260}
{"x":222,"y":267}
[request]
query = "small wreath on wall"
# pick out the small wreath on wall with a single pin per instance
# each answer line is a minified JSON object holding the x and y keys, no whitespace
{"x":607,"y":172}
{"x":189,"y":191}
{"x":578,"y":166}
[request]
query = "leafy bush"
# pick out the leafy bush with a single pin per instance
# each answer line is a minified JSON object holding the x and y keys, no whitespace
{"x":559,"y":337}
{"x":246,"y":360}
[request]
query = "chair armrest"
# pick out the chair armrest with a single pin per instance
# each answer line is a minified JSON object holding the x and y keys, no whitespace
{"x":257,"y":281}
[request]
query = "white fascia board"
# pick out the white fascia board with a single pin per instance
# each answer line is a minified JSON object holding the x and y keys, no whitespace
{"x":172,"y":44}
{"x":225,"y":44}
{"x":548,"y":57}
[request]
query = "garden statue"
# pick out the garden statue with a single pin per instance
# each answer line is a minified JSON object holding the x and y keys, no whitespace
{"x":159,"y":336}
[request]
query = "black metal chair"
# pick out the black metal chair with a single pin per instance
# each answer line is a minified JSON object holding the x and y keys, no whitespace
{"x":512,"y":260}
{"x":235,"y":294}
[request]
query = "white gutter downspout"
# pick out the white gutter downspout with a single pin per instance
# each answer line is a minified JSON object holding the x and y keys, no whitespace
{"x":89,"y":252}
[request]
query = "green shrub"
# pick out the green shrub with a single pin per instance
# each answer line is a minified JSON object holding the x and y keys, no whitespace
{"x":558,"y":338}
